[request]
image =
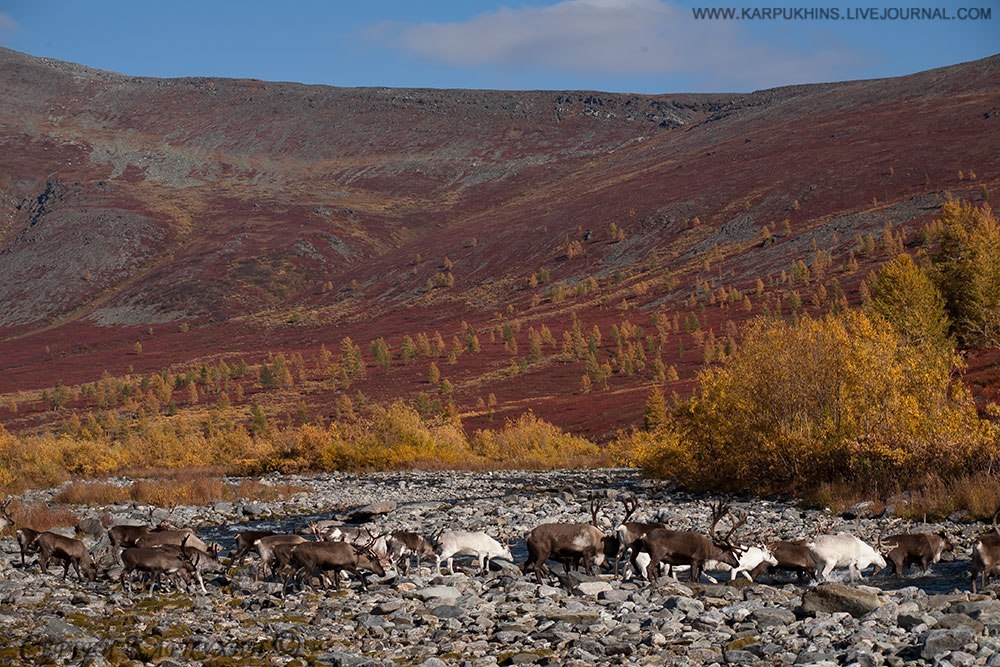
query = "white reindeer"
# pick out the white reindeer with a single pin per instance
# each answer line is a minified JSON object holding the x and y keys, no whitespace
{"x":467,"y":543}
{"x":842,"y":550}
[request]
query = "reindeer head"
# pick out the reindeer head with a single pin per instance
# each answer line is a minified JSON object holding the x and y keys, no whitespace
{"x":5,"y":518}
{"x":726,"y":544}
{"x":367,"y":556}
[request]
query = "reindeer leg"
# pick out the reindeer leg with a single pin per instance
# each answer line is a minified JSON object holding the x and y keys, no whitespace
{"x":201,"y":582}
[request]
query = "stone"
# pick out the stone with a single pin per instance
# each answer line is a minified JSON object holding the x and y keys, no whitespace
{"x":438,"y":593}
{"x":941,"y":641}
{"x":772,"y":616}
{"x":448,"y":611}
{"x":591,"y":588}
{"x":616,"y":596}
{"x":433,"y":662}
{"x":684,"y":604}
{"x":910,"y":620}
{"x":522,"y":659}
{"x":91,"y":526}
{"x":739,"y":657}
{"x":366,"y":513}
{"x":832,"y":597}
{"x":958,"y":621}
{"x":343,"y":659}
{"x":387,"y":607}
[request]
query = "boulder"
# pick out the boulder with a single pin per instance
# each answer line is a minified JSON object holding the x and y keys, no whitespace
{"x":832,"y":597}
{"x":941,"y":641}
{"x":444,"y":593}
{"x":366,"y":513}
{"x":591,"y":588}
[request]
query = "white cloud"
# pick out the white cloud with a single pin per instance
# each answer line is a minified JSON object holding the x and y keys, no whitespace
{"x":615,"y":37}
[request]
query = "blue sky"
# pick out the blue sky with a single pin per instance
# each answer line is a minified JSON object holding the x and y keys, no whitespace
{"x":645,"y":46}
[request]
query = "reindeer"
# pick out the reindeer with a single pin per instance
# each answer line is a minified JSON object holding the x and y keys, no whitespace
{"x":791,"y":556}
{"x":986,"y":556}
{"x":200,"y":561}
{"x":630,"y":532}
{"x":466,"y":543}
{"x":336,"y":557}
{"x":692,"y":548}
{"x":26,"y":537}
{"x":177,"y":537}
{"x":128,"y":535}
{"x":153,"y":561}
{"x":67,"y":550}
{"x":845,"y":550}
{"x":751,"y":560}
{"x":572,"y":543}
{"x":915,"y":549}
{"x":402,"y":545}
{"x":5,"y":519}
{"x":266,"y":546}
{"x":245,"y":544}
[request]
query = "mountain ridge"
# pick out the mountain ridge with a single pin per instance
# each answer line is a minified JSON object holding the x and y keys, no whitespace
{"x":268,"y":216}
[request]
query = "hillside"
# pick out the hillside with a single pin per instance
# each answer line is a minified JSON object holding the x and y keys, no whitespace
{"x":212,"y":219}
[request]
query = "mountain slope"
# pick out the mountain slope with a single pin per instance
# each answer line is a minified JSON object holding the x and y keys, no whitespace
{"x":271,"y":216}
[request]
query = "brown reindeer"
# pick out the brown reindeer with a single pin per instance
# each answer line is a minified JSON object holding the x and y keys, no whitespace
{"x":404,"y":545}
{"x":67,"y":550}
{"x":792,"y":556}
{"x":26,"y":537}
{"x":323,"y":557}
{"x":245,"y":544}
{"x":154,"y":562}
{"x":986,"y":556}
{"x":571,"y":543}
{"x":123,"y":536}
{"x":921,"y":549}
{"x":692,"y":548}
{"x":630,"y":532}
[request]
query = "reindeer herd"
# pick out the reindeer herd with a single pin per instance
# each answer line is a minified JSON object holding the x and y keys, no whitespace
{"x":162,"y":555}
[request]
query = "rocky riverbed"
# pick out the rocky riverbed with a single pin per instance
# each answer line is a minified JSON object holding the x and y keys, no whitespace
{"x":500,"y":617}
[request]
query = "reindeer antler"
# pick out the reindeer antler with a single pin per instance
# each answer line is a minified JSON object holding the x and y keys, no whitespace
{"x":595,"y":507}
{"x":631,"y":503}
{"x":741,"y":519}
{"x":883,"y":547}
{"x":719,"y":510}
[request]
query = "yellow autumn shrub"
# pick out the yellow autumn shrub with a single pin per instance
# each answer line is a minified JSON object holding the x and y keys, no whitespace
{"x":837,"y":398}
{"x":530,"y":442}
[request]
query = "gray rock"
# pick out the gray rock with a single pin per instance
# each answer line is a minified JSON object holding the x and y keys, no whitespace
{"x":343,"y":659}
{"x":908,"y":621}
{"x":448,"y":611}
{"x":740,"y":657}
{"x":433,"y":662}
{"x":616,"y":596}
{"x":684,"y":604}
{"x":591,"y":588}
{"x":773,"y":617}
{"x":366,"y":513}
{"x":958,"y":621}
{"x":438,"y":593}
{"x":941,"y":641}
{"x":832,"y":597}
{"x":91,"y":526}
